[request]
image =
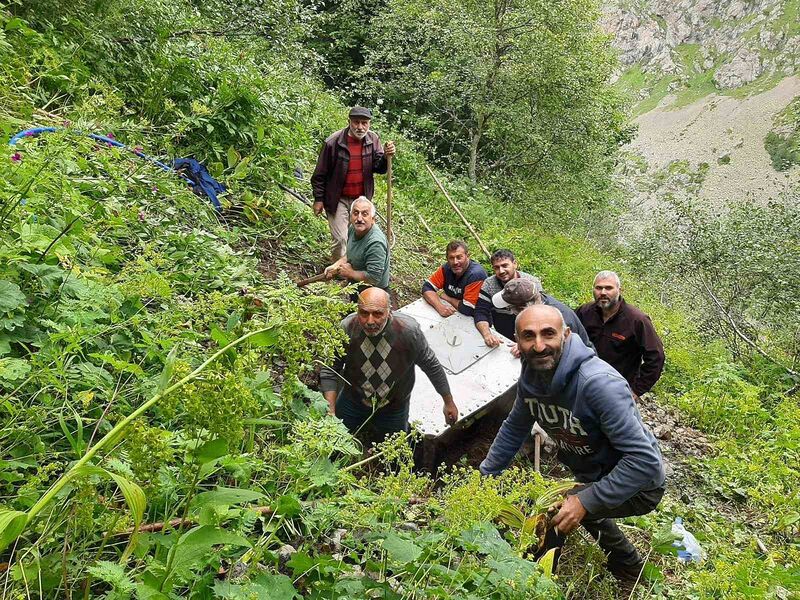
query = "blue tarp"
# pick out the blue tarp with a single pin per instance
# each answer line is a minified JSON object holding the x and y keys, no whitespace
{"x":188,"y":169}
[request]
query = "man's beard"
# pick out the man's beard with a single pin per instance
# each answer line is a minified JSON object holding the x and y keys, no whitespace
{"x":608,"y":303}
{"x":544,"y":369}
{"x":359,"y":135}
{"x":375,"y":331}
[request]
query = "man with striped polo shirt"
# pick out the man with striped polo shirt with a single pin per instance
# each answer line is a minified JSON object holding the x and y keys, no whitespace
{"x":344,"y":172}
{"x":509,"y":291}
{"x":455,"y":286}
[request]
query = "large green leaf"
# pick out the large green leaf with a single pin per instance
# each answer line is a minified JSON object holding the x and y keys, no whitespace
{"x":485,"y":538}
{"x":133,"y":494}
{"x":225,"y":497}
{"x":208,"y":536}
{"x":266,"y":338}
{"x":13,"y":369}
{"x":211,"y":450}
{"x":546,"y":561}
{"x":11,"y":297}
{"x":400,"y":549}
{"x":12,"y":523}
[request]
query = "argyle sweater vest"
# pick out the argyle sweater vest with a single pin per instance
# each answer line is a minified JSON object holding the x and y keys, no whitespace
{"x":380,"y":370}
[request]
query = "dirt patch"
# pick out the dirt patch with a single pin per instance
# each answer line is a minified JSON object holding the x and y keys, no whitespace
{"x":728,"y":135}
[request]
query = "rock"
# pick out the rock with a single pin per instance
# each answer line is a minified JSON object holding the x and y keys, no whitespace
{"x":737,"y":9}
{"x":285,"y":554}
{"x":409,"y":526}
{"x":744,"y":68}
{"x":336,"y":538}
{"x":686,"y":498}
{"x":663,"y":432}
{"x":770,"y":39}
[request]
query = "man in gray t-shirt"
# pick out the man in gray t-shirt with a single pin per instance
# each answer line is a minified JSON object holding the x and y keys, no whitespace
{"x":367,"y":259}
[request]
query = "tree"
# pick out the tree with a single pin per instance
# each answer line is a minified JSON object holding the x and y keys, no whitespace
{"x":497,"y":87}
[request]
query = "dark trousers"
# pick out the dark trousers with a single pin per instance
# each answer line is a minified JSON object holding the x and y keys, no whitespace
{"x":604,"y":530}
{"x":370,"y":427}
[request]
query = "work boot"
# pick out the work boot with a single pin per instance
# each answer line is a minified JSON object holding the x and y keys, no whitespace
{"x":627,"y":576}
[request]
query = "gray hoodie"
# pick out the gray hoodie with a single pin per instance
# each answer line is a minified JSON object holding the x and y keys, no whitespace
{"x":589,"y":412}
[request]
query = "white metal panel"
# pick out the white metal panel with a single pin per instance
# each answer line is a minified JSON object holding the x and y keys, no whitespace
{"x":487,"y":376}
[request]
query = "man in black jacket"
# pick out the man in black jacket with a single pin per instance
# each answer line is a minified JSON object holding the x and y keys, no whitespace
{"x":622,"y":334}
{"x":344,"y":172}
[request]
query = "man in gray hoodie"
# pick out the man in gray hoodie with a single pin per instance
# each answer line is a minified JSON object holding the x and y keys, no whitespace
{"x":586,"y":407}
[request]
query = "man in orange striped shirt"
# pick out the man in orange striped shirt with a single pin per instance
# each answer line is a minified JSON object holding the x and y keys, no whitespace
{"x":455,"y":286}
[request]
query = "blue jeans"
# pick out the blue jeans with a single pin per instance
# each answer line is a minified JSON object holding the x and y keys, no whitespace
{"x":358,"y":417}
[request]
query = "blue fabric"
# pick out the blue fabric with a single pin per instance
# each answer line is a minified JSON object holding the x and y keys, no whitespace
{"x":202,"y":181}
{"x":354,"y":414}
{"x":196,"y":175}
{"x":589,"y":412}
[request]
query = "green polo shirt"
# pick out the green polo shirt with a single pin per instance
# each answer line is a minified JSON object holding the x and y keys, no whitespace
{"x":370,"y":254}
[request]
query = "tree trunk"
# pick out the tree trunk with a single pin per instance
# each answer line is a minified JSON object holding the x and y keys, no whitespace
{"x":474,"y":144}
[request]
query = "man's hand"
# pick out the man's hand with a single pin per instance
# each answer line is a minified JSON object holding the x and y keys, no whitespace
{"x":331,"y":398}
{"x":318,"y":207}
{"x":491,"y":340}
{"x":450,"y":410}
{"x":346,"y":270}
{"x":515,"y":350}
{"x":445,"y":309}
{"x":570,"y":515}
{"x":389,"y":149}
{"x":331,"y":271}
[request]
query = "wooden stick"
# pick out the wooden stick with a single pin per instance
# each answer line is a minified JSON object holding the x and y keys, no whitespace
{"x":460,"y":214}
{"x":314,"y":279}
{"x":537,"y":451}
{"x":156,"y":527}
{"x":389,"y":234}
{"x":422,"y":220}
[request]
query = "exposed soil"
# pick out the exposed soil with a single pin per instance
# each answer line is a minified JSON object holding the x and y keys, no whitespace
{"x":727,"y":134}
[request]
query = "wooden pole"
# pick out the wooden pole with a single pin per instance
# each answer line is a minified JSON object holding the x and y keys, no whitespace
{"x":460,"y":214}
{"x":389,"y":234}
{"x":315,"y":278}
{"x":537,"y":451}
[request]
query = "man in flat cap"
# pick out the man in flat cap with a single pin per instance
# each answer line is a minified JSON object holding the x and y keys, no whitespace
{"x":522,"y":292}
{"x":344,"y":172}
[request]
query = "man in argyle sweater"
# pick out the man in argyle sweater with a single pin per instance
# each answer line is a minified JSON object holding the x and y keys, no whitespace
{"x":376,"y":373}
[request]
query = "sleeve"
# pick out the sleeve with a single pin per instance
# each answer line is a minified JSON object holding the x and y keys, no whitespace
{"x":430,"y":365}
{"x":508,"y":441}
{"x":376,"y":262}
{"x":330,"y":377}
{"x":435,"y":282}
{"x":652,"y":351}
{"x":471,"y":293}
{"x":641,"y":466}
{"x":319,"y":177}
{"x":379,"y":163}
{"x":483,"y":308}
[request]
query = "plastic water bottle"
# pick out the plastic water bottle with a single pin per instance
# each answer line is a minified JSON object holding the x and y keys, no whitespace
{"x":689,"y":549}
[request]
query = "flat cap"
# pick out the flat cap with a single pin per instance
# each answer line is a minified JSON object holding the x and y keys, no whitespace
{"x":517,"y":292}
{"x":360,"y":111}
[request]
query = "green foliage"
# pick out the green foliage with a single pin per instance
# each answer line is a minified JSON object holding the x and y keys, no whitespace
{"x":505,"y":92}
{"x":783,"y":142}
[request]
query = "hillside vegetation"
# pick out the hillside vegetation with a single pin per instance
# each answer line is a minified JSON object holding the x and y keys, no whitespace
{"x":160,"y":435}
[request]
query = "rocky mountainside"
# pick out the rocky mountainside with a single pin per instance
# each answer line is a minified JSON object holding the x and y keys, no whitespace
{"x":716,"y":100}
{"x":736,"y":42}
